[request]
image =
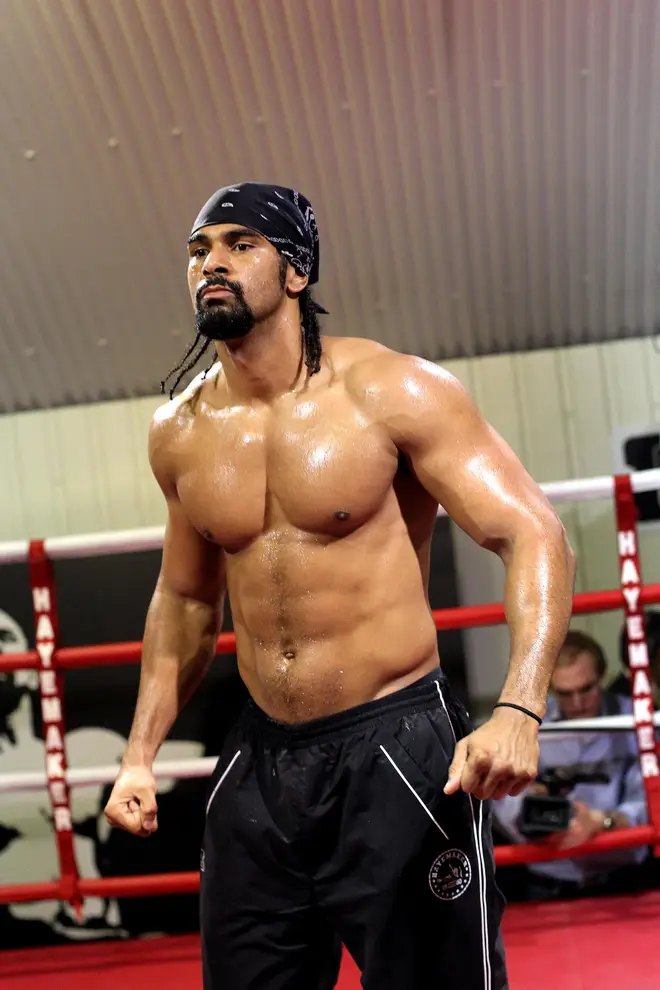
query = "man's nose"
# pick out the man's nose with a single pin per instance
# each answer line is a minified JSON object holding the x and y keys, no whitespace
{"x":216,"y":263}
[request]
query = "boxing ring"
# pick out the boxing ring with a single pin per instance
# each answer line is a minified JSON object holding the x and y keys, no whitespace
{"x":582,"y":944}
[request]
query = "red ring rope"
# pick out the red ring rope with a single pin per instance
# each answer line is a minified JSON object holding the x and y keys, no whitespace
{"x":463,"y":617}
{"x":188,"y":883}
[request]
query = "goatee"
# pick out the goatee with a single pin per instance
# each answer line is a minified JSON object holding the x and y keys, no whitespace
{"x":225,"y":319}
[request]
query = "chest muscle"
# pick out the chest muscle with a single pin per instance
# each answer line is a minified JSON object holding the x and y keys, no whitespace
{"x":320,"y":471}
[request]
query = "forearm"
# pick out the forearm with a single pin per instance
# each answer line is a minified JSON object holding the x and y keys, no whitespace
{"x":538,"y":601}
{"x":179,"y":644}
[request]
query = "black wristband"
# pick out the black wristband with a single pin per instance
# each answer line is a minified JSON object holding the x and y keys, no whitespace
{"x":519,"y":708}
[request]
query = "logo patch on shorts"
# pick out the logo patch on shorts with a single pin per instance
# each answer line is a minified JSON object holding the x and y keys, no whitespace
{"x":202,"y":861}
{"x":450,"y":875}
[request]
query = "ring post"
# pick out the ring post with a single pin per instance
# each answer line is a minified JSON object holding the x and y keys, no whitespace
{"x":42,"y":583}
{"x":638,"y":654}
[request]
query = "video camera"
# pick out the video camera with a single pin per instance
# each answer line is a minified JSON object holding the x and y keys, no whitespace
{"x":544,"y":814}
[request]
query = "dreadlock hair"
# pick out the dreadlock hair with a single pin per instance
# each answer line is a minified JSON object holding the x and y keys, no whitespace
{"x":311,"y":331}
{"x":309,"y":323}
{"x":311,"y":339}
{"x":197,"y":350}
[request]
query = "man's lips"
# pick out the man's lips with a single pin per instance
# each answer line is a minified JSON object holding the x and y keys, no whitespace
{"x":215,"y":291}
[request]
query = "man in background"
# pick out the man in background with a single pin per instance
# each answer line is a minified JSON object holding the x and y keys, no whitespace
{"x":577,"y":692}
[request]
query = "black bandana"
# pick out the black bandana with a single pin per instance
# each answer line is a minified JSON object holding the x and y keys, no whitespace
{"x":283,"y":216}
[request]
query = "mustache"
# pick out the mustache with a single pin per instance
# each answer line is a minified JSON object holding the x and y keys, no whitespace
{"x":223,"y":283}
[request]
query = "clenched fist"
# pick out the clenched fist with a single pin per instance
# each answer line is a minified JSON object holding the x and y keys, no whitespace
{"x":501,"y":757}
{"x":132,"y":805}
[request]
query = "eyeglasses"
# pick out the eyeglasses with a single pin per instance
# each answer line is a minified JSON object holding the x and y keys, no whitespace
{"x":578,"y":692}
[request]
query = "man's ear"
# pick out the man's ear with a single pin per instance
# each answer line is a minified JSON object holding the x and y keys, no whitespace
{"x":295,"y":282}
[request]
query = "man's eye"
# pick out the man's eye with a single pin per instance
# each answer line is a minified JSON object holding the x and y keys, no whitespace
{"x":242,"y":244}
{"x":199,"y":252}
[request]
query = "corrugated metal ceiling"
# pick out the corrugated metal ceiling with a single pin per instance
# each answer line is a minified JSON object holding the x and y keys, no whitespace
{"x":485,"y":173}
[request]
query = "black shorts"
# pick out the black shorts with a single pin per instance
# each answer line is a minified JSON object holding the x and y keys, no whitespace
{"x":338,"y":831}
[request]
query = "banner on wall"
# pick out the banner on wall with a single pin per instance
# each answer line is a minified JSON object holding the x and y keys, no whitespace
{"x":105,"y":600}
{"x":638,"y":449}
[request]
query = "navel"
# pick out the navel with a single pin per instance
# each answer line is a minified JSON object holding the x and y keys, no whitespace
{"x":342,"y":516}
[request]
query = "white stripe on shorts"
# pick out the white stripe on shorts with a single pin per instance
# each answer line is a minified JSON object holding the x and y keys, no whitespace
{"x":481,"y":865}
{"x":414,"y":792}
{"x":217,"y":786}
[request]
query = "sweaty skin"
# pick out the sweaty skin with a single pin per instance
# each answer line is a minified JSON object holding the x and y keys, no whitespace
{"x":323,"y":531}
{"x":314,"y":510}
{"x":313,"y":504}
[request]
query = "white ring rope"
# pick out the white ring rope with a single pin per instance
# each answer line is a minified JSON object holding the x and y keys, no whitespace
{"x":603,"y":723}
{"x":151,"y":538}
{"x":94,"y":776}
{"x":203,"y":767}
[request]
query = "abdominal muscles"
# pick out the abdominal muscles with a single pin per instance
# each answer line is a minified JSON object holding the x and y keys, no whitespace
{"x":322,"y":625}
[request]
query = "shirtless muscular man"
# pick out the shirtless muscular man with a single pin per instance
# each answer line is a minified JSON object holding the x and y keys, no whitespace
{"x":302,"y":475}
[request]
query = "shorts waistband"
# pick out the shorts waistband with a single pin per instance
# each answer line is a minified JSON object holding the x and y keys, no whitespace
{"x":418,"y":696}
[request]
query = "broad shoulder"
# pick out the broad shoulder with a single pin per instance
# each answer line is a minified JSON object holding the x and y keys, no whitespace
{"x":389,"y":384}
{"x":173,"y":420}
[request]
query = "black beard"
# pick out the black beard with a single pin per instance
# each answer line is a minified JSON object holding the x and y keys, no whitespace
{"x":225,"y":319}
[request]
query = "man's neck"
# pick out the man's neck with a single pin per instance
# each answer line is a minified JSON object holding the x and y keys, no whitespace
{"x":266,"y":363}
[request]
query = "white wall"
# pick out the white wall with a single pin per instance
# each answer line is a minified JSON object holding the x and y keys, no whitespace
{"x":84,"y":468}
{"x":80,"y":469}
{"x":558,"y":410}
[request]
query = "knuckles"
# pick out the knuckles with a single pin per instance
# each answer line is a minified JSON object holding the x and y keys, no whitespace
{"x":490,"y":767}
{"x":482,"y":760}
